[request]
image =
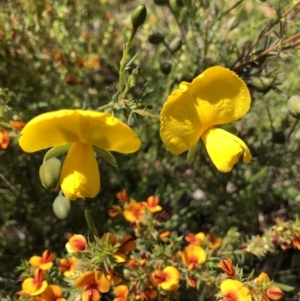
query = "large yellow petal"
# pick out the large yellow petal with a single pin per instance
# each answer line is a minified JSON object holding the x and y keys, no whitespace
{"x":216,"y":96}
{"x":225,"y":149}
{"x":80,"y":177}
{"x":180,"y":122}
{"x":222,"y":97}
{"x":71,"y":126}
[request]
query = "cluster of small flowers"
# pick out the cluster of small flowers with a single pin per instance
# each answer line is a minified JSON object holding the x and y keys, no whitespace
{"x":5,"y":135}
{"x":161,"y":263}
{"x":284,"y":235}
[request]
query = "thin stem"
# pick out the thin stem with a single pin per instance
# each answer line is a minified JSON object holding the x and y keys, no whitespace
{"x":146,"y":114}
{"x":123,"y":62}
{"x":292,"y":129}
{"x":109,"y":105}
{"x":267,"y":51}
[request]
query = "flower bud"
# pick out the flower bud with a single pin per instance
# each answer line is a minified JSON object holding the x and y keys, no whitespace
{"x":138,"y":16}
{"x":165,"y":67}
{"x":50,"y":173}
{"x":294,"y":106}
{"x":156,"y":38}
{"x":262,"y":84}
{"x":175,"y":45}
{"x":61,"y":207}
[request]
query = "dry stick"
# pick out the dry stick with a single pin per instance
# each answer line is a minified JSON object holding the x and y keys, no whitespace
{"x":236,"y":64}
{"x":271,"y":25}
{"x":267,"y":51}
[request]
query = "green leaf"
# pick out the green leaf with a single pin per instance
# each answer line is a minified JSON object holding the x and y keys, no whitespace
{"x":192,"y":152}
{"x":106,"y":156}
{"x":57,"y":151}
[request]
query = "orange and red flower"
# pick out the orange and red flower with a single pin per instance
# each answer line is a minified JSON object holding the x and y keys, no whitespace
{"x":193,"y":256}
{"x":36,"y":285}
{"x":227,"y":267}
{"x":76,"y":243}
{"x":134,"y":211}
{"x":122,"y":196}
{"x":127,"y":244}
{"x":234,"y":290}
{"x":214,"y":242}
{"x":152,"y":204}
{"x":93,"y":284}
{"x":167,"y":279}
{"x":195,"y":239}
{"x":270,"y":292}
{"x":18,"y":125}
{"x":67,"y":266}
{"x":4,"y":139}
{"x":121,"y":292}
{"x":115,"y":211}
{"x":52,"y":293}
{"x":44,"y":262}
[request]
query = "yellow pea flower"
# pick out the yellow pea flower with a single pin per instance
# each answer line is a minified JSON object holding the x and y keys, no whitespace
{"x":80,"y":177}
{"x":215,"y":97}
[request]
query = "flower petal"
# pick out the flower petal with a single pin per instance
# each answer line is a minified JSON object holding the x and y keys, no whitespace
{"x":70,"y":126}
{"x":221,"y":95}
{"x":216,"y":96}
{"x":180,"y":121}
{"x":235,"y":290}
{"x":102,"y":282}
{"x":171,"y":281}
{"x":85,"y":279}
{"x":35,"y":261}
{"x":225,"y":148}
{"x":80,"y":177}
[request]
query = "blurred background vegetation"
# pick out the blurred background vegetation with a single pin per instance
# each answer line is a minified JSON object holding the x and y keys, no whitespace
{"x":65,"y":54}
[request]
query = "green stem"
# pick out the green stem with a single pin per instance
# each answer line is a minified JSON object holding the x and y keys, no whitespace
{"x":292,"y":129}
{"x":90,"y":222}
{"x":110,"y":105}
{"x":123,"y":62}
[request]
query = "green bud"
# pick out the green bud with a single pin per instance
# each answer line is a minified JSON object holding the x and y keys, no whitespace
{"x":165,"y":67}
{"x":156,"y":38}
{"x":50,"y":173}
{"x":175,"y":45}
{"x":138,"y":16}
{"x":161,"y":2}
{"x":294,"y":106}
{"x":262,"y":84}
{"x":61,"y":207}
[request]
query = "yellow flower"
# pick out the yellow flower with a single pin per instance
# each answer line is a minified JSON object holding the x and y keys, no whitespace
{"x":235,"y":290}
{"x":80,"y":176}
{"x":217,"y":96}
